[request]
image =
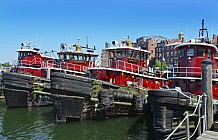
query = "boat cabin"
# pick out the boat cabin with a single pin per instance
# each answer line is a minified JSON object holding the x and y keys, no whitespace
{"x":126,"y":66}
{"x":30,"y":61}
{"x":77,"y":60}
{"x":191,"y":54}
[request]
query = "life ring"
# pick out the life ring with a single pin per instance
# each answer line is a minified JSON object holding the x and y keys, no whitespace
{"x":85,"y":69}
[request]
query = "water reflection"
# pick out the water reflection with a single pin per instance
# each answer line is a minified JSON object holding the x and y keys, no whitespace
{"x":39,"y":123}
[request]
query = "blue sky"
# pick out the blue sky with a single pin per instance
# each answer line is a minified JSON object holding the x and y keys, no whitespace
{"x":53,"y":22}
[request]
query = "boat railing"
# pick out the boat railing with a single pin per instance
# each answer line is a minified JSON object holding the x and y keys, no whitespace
{"x":35,"y":61}
{"x":187,"y":72}
{"x":126,"y":66}
{"x":73,"y":67}
{"x":48,"y":63}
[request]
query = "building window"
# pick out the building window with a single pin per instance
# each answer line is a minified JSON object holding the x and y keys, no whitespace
{"x":152,"y":51}
{"x":175,"y":61}
{"x":167,"y":53}
{"x":171,"y":53}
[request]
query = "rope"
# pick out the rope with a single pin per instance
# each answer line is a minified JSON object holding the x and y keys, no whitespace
{"x":177,"y":127}
{"x":186,"y":118}
{"x":179,"y":90}
{"x":198,"y":119}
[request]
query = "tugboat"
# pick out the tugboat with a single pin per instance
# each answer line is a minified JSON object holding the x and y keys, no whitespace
{"x":187,"y":75}
{"x":28,"y":83}
{"x":118,"y":89}
{"x":168,"y":106}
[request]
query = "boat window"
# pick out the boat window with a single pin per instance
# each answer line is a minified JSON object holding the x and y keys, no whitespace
{"x":124,"y":53}
{"x":129,"y":53}
{"x":111,"y":54}
{"x":209,"y":53}
{"x":136,"y":55}
{"x":94,"y":58}
{"x":142,"y":55}
{"x":119,"y":54}
{"x":201,"y":52}
{"x":87,"y":58}
{"x":67,"y":57}
{"x":190,"y":52}
{"x":29,"y":53}
{"x":23,"y":54}
{"x":146,"y":56}
{"x":19,"y":54}
{"x":216,"y":54}
{"x":61,"y":56}
{"x":80,"y":57}
{"x":182,"y":53}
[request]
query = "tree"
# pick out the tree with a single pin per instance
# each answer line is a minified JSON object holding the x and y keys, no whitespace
{"x":158,"y":64}
{"x":6,"y":64}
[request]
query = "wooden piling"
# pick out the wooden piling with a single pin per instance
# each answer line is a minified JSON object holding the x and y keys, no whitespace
{"x":206,"y":66}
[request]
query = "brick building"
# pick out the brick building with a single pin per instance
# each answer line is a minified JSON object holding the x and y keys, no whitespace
{"x":150,"y":43}
{"x":165,"y":51}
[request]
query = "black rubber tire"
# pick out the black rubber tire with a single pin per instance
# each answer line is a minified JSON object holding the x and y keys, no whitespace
{"x":123,"y":96}
{"x":71,"y":77}
{"x":16,"y":79}
{"x":17,"y":75}
{"x":17,"y":85}
{"x":71,"y":91}
{"x":167,"y":93}
{"x":70,"y":81}
{"x":56,"y":85}
{"x":108,"y":85}
{"x":168,"y":100}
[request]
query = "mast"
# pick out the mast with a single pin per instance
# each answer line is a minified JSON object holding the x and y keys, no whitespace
{"x":201,"y":32}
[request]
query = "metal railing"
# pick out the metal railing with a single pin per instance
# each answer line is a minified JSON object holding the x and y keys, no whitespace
{"x":29,"y":62}
{"x":200,"y":100}
{"x":122,"y":65}
{"x":51,"y":63}
{"x":188,"y":72}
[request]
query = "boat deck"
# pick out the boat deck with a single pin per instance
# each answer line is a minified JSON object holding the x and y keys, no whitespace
{"x":208,"y":135}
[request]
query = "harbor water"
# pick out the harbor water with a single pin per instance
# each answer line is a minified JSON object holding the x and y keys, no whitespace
{"x":39,"y":123}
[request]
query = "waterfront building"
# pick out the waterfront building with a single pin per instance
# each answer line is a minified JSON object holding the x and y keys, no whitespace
{"x":165,"y":50}
{"x":150,"y":43}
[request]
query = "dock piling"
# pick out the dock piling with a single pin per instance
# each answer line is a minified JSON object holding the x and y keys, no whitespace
{"x":206,"y":66}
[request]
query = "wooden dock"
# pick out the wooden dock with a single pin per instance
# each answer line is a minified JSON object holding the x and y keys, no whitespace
{"x":208,"y":135}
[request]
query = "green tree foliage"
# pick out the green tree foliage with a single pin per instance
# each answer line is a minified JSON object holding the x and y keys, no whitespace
{"x":6,"y":64}
{"x":158,"y":64}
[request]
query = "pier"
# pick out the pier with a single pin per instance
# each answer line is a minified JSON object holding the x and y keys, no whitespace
{"x":198,"y":111}
{"x":208,"y":135}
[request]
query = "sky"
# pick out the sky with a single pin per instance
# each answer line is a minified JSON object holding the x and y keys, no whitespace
{"x":48,"y":23}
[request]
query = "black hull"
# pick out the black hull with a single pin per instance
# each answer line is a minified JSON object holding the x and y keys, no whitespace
{"x":19,"y":90}
{"x":15,"y":97}
{"x":68,"y":107}
{"x":79,"y":98}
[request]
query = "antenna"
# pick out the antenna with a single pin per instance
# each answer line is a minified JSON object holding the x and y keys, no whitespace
{"x":40,"y":42}
{"x":78,"y":40}
{"x":186,"y":33}
{"x":87,"y":42}
{"x":36,"y":40}
{"x":202,"y":30}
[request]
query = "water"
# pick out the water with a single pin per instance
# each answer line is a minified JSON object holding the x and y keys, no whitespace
{"x":39,"y":123}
